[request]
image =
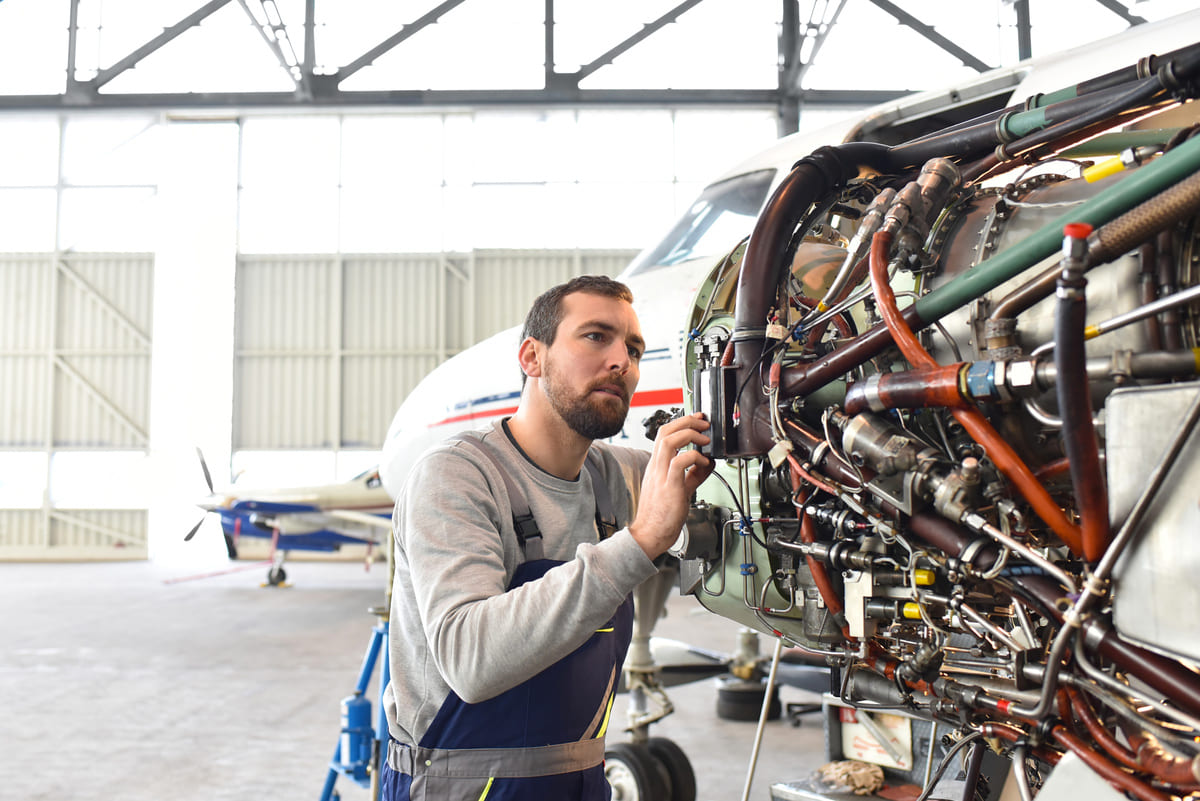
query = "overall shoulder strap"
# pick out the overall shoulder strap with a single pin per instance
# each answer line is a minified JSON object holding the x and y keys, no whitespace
{"x":528,"y":535}
{"x":606,"y":519}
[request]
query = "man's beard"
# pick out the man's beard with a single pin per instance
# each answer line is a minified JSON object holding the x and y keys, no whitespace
{"x":587,"y":416}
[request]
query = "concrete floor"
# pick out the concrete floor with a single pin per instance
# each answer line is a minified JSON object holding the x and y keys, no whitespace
{"x":119,"y":685}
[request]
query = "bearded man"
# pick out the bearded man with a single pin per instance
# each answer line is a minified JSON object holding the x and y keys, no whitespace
{"x":517,"y":549}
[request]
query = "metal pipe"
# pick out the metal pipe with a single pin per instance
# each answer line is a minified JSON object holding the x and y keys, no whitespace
{"x":762,"y":718}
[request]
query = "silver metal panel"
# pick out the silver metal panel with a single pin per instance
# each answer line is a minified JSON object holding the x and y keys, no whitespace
{"x":283,"y":304}
{"x":103,"y":314}
{"x":102,"y":401}
{"x":24,"y":408}
{"x":393,"y":303}
{"x":328,"y":346}
{"x":73,"y":534}
{"x":507,"y":281}
{"x":26,"y":337}
{"x":372,"y":390}
{"x":25,"y":286}
{"x":1157,"y":577}
{"x":283,"y":402}
{"x":75,"y":350}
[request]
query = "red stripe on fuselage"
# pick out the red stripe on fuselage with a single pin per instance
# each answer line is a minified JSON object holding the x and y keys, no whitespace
{"x":651,"y":397}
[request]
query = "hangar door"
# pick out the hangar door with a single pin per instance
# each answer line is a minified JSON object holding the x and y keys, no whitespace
{"x":75,"y":366}
{"x":328,"y":346}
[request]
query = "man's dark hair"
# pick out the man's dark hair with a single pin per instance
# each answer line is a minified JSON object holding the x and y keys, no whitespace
{"x":547,"y":311}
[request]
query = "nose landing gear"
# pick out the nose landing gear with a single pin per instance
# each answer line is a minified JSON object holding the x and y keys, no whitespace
{"x":656,"y":770}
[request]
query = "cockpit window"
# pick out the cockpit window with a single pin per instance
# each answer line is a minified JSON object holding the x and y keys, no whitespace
{"x":719,"y":218}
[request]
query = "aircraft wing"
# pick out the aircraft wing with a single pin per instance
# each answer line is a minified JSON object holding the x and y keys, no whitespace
{"x":362,"y":518}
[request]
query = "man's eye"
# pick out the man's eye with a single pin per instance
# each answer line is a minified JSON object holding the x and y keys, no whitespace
{"x":635,"y":354}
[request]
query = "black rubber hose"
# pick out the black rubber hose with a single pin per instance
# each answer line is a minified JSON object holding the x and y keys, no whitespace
{"x":1125,"y":75}
{"x":763,"y":266}
{"x":1075,"y":408}
{"x":977,"y":140}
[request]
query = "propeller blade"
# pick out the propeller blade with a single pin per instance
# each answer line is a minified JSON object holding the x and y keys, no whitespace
{"x":195,"y":528}
{"x":204,"y":467}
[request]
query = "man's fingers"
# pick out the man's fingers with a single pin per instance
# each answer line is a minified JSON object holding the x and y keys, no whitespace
{"x":678,"y":440}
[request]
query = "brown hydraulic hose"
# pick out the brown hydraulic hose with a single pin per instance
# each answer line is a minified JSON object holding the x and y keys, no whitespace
{"x":1114,"y":775}
{"x":1163,"y":766}
{"x":1000,"y":731}
{"x":912,"y":389}
{"x":1101,"y":735}
{"x":1052,"y":471}
{"x":971,"y":419}
{"x":808,"y":535}
{"x":1167,"y":676}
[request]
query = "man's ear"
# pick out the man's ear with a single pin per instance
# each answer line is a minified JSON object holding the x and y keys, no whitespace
{"x":530,"y":357}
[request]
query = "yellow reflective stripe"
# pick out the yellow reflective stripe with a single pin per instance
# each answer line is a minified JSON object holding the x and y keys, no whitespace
{"x":604,"y":631}
{"x":487,"y":788}
{"x":607,"y":714}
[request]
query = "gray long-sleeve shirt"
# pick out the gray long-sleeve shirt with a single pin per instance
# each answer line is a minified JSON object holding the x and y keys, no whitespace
{"x":453,"y":625}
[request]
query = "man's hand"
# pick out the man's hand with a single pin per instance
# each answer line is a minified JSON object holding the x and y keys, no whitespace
{"x":672,"y":475}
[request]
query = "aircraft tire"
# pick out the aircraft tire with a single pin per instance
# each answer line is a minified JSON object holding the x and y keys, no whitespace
{"x":743,"y":700}
{"x":679,"y":768}
{"x":276,"y":576}
{"x":634,"y":774}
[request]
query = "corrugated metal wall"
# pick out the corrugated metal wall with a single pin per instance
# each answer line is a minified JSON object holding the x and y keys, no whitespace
{"x":328,"y":346}
{"x":75,"y":367}
{"x":34,"y":534}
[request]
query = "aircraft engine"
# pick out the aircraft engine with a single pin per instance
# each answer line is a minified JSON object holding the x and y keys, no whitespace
{"x":954,"y":386}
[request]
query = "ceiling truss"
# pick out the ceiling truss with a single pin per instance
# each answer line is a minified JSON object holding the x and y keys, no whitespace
{"x":800,"y":41}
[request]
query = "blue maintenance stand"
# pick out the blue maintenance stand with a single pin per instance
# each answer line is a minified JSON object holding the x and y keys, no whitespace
{"x":362,"y":744}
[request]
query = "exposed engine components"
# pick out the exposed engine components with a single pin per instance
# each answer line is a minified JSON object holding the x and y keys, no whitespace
{"x":955,"y":441}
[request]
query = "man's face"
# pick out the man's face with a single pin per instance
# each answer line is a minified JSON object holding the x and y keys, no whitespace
{"x":592,"y":368}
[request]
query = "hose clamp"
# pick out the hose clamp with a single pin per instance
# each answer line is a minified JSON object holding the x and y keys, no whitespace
{"x":1003,"y":135}
{"x":972,"y":550}
{"x":744,"y":334}
{"x":871,"y":392}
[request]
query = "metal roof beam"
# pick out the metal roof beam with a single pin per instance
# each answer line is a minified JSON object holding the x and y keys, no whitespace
{"x":932,"y":35}
{"x":1024,"y":30}
{"x":274,"y":33}
{"x":425,"y":20}
{"x":792,"y":43}
{"x":128,"y":62}
{"x":1121,"y":11}
{"x":759,"y":98}
{"x":647,"y":30}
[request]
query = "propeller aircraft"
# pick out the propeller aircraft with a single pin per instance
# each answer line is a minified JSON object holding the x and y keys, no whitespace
{"x":304,"y":518}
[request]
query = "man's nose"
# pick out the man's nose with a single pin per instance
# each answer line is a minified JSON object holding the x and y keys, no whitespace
{"x":619,"y":359}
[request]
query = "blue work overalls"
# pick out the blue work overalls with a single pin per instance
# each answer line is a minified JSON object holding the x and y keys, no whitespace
{"x":544,"y":738}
